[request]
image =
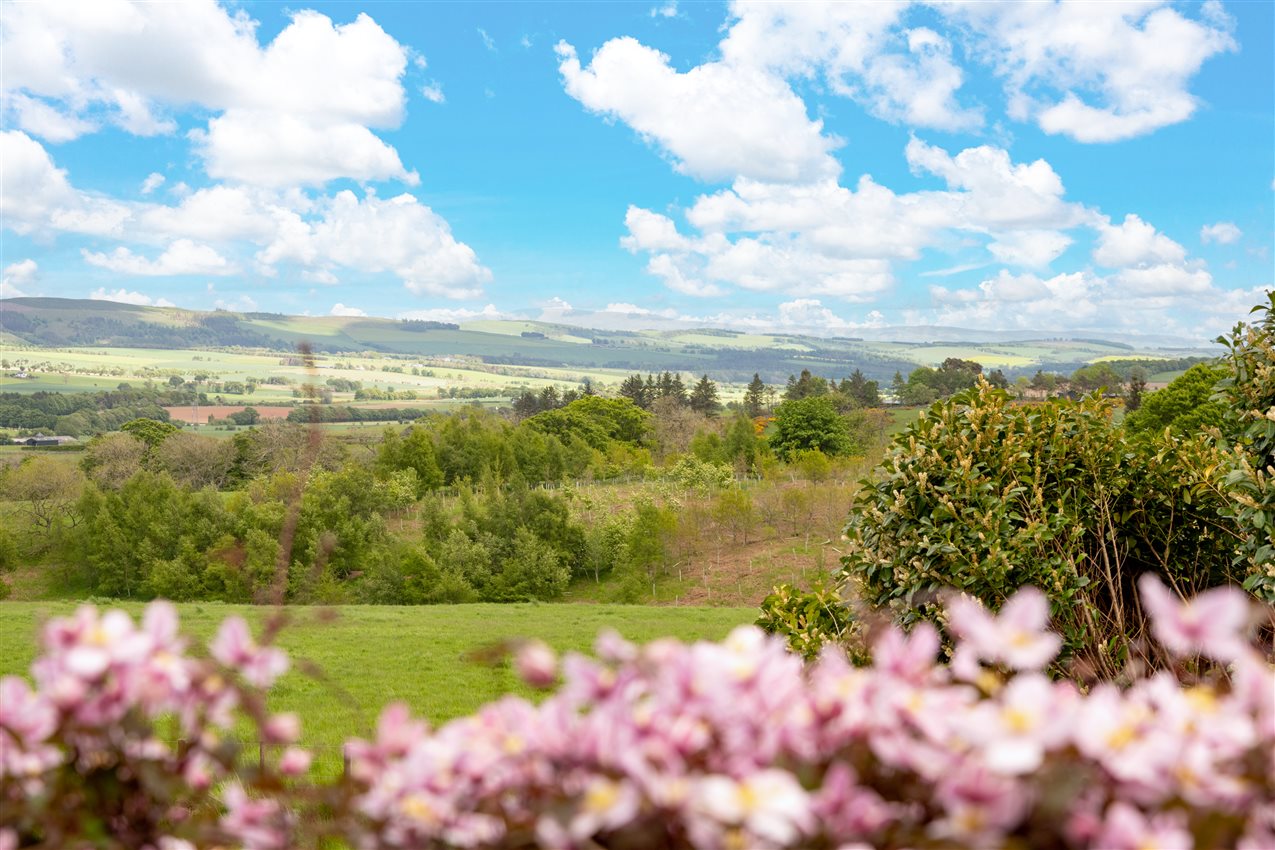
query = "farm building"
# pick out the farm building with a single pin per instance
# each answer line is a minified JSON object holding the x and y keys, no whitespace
{"x":42,"y":440}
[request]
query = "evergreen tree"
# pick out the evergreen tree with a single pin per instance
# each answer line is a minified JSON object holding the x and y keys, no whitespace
{"x":634,"y":390}
{"x":1137,"y":386}
{"x":704,"y":397}
{"x":755,"y":396}
{"x":861,"y":391}
{"x":677,"y":390}
{"x":549,"y":398}
{"x":526,"y":404}
{"x":898,"y":388}
{"x":805,"y":386}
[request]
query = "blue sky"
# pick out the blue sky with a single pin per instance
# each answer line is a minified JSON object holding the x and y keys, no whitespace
{"x":807,"y":167}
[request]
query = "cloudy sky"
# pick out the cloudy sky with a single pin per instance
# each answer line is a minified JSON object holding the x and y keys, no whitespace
{"x":1065,"y":166}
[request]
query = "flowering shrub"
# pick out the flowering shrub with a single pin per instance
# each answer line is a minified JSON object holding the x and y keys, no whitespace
{"x":83,"y":762}
{"x":711,"y":745}
{"x":987,"y":496}
{"x":1249,"y":476}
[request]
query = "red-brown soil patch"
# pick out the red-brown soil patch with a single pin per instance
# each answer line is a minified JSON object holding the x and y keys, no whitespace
{"x":186,"y":412}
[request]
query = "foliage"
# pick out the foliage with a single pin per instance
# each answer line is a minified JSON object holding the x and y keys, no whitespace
{"x":111,"y":459}
{"x":247,"y":416}
{"x":805,"y":386}
{"x":1136,"y":389}
{"x":694,"y":474}
{"x":808,"y":620}
{"x":646,"y":549}
{"x":755,"y":397}
{"x":9,"y":555}
{"x":45,"y":489}
{"x":740,"y":447}
{"x":196,"y":461}
{"x":860,"y":391}
{"x":530,"y":570}
{"x":152,"y":432}
{"x":82,"y":414}
{"x":807,"y":423}
{"x":986,"y":496}
{"x":924,"y":384}
{"x":1248,"y":390}
{"x":596,"y":421}
{"x":312,"y":413}
{"x":703,"y":397}
{"x":813,"y":465}
{"x":1185,"y":406}
{"x":1096,"y":376}
{"x":413,"y":450}
{"x":151,"y":537}
{"x":711,"y":745}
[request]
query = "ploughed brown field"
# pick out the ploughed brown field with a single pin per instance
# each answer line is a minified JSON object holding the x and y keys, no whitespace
{"x":187,"y":413}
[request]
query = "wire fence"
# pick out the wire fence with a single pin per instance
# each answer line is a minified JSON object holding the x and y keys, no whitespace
{"x":329,"y":760}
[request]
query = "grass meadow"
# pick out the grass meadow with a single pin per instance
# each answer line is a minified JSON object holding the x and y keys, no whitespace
{"x":366,"y":656}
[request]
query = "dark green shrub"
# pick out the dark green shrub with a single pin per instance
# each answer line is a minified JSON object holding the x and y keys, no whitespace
{"x":812,"y":423}
{"x":807,"y":619}
{"x":1248,"y":476}
{"x":985,"y":496}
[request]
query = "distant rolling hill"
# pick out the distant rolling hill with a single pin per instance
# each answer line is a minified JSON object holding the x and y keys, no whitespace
{"x":725,"y":354}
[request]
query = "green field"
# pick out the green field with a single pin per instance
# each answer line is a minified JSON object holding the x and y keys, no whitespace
{"x":95,"y":368}
{"x":371,"y":655}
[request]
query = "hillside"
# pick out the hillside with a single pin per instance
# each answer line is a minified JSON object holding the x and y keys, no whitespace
{"x":728,"y":355}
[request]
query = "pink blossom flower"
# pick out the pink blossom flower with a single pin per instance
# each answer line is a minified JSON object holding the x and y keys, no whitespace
{"x":537,"y":664}
{"x":258,"y":824}
{"x":24,"y":713}
{"x":294,"y":762}
{"x":1016,"y":637}
{"x":979,"y":805}
{"x":728,"y":744}
{"x":282,"y":728}
{"x":1028,"y":718}
{"x":1126,"y":828}
{"x":234,"y":647}
{"x":1215,"y":623}
{"x":605,"y":804}
{"x":770,"y":805}
{"x":908,"y":656}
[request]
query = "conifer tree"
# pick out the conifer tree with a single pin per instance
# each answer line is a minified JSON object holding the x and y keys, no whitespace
{"x":704,"y":397}
{"x":755,"y":396}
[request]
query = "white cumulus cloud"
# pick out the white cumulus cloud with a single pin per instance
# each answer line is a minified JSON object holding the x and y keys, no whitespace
{"x":1097,"y":72}
{"x":183,"y":257}
{"x":318,"y":84}
{"x":152,"y":182}
{"x":715,"y":121}
{"x":124,"y":296}
{"x":339,"y":309}
{"x":455,"y":314}
{"x":399,"y":235}
{"x":1223,"y":233}
{"x":16,"y":277}
{"x":320,"y":234}
{"x":1134,"y":242}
